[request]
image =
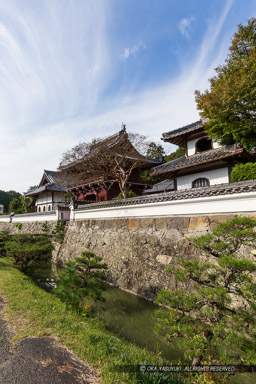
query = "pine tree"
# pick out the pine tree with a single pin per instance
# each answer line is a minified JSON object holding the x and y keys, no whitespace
{"x":212,"y":314}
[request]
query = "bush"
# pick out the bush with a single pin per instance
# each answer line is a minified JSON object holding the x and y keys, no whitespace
{"x":4,"y":237}
{"x":18,"y":225}
{"x":243,"y":172}
{"x":45,"y":227}
{"x":212,"y":315}
{"x":59,"y":230}
{"x":130,"y":193}
{"x":27,"y":250}
{"x":79,"y":283}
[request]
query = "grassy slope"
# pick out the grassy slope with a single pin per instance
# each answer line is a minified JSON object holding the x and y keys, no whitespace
{"x":34,"y":312}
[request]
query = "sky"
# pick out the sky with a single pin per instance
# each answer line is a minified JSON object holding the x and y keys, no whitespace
{"x":74,"y":70}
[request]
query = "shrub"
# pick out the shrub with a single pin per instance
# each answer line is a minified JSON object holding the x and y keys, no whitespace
{"x":243,"y":172}
{"x":79,"y":283}
{"x":59,"y":230}
{"x":4,"y":237}
{"x":27,"y":250}
{"x":212,"y":316}
{"x":18,"y":225}
{"x":130,"y":193}
{"x":45,"y":227}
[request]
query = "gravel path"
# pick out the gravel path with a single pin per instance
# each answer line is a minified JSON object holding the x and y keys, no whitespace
{"x":39,"y":361}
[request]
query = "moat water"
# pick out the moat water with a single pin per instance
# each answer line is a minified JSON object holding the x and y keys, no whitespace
{"x":123,"y":313}
{"x":128,"y":316}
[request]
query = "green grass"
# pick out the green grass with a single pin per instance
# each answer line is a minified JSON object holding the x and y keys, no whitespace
{"x":34,"y":312}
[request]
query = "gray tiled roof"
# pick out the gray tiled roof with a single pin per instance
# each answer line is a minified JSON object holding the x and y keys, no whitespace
{"x":215,"y":190}
{"x":198,"y":158}
{"x":54,"y":183}
{"x":163,"y":186}
{"x":183,"y":130}
{"x":111,"y":142}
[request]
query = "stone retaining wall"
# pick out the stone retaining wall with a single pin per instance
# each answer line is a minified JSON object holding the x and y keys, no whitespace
{"x":137,"y":251}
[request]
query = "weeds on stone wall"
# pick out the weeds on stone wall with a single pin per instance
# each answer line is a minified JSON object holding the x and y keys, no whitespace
{"x":45,"y":227}
{"x":18,"y":225}
{"x":59,"y":231}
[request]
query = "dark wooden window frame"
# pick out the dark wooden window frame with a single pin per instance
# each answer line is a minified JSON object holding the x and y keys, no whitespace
{"x":200,"y":182}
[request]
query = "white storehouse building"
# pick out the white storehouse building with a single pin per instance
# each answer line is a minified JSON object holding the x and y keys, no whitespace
{"x":49,"y":193}
{"x":206,"y":162}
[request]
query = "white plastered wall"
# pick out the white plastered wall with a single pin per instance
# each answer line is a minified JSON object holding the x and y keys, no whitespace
{"x":216,"y":176}
{"x":191,"y":145}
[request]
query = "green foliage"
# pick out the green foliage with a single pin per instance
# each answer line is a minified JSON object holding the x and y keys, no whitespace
{"x":130,"y":193}
{"x":45,"y":227}
{"x":59,"y":230}
{"x":155,"y":151}
{"x":79,"y":283}
{"x":70,"y":287}
{"x":7,"y":197}
{"x":230,"y":103}
{"x":32,"y":187}
{"x":212,"y":317}
{"x":67,"y":197}
{"x":175,"y":155}
{"x":42,"y":314}
{"x":28,"y":250}
{"x":4,"y":237}
{"x":243,"y":172}
{"x":15,"y":206}
{"x":18,"y":225}
{"x":20,"y":205}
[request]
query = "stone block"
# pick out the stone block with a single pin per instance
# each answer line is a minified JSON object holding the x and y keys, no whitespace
{"x":133,"y":224}
{"x":164,"y":259}
{"x":175,"y":222}
{"x":199,"y":224}
{"x":161,"y":223}
{"x":147,"y":222}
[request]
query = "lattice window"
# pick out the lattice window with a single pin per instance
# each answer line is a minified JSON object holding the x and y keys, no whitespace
{"x":201,"y":182}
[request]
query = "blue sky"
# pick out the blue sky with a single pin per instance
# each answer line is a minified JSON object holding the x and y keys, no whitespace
{"x":72,"y":70}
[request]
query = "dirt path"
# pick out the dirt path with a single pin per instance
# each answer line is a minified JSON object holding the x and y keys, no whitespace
{"x":39,"y":361}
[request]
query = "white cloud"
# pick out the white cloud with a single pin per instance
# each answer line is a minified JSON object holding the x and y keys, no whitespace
{"x":184,"y":25}
{"x":132,"y":51}
{"x":51,"y":76}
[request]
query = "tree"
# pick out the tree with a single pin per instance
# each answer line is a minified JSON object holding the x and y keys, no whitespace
{"x":245,"y":171}
{"x":175,"y":155}
{"x":7,"y":197}
{"x":79,"y":282}
{"x":20,"y":205}
{"x":32,"y":187}
{"x":155,"y":151}
{"x":107,"y":161}
{"x":212,"y":315}
{"x":4,"y":237}
{"x":230,"y":104}
{"x":28,"y":250}
{"x":15,"y":206}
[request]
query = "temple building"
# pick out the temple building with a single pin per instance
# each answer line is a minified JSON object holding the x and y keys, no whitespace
{"x":206,"y":162}
{"x":49,"y":193}
{"x":101,"y":185}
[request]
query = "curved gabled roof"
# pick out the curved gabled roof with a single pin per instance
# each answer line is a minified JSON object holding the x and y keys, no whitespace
{"x":178,"y":136}
{"x":51,"y":181}
{"x":199,"y":158}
